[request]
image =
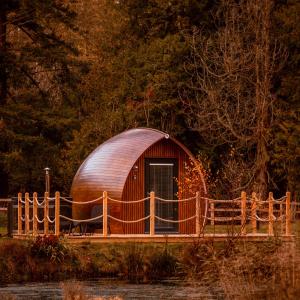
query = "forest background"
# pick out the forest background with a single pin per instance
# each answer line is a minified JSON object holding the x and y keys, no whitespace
{"x":222,"y":76}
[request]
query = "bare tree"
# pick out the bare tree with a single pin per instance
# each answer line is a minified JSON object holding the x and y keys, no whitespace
{"x":231,"y":77}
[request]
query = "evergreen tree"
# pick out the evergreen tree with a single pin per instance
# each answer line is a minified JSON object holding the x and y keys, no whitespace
{"x":37,"y":88}
{"x":285,"y":156}
{"x":137,"y":69}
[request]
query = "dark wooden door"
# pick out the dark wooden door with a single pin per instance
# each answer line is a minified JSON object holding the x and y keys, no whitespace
{"x":160,"y":177}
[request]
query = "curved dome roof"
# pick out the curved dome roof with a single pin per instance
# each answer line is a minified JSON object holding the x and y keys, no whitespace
{"x":115,"y":158}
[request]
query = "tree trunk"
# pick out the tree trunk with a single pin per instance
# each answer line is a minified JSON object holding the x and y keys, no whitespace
{"x":232,"y":74}
{"x":261,"y":177}
{"x":263,"y":96}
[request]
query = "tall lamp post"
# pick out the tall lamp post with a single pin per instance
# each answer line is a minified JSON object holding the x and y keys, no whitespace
{"x":47,"y":180}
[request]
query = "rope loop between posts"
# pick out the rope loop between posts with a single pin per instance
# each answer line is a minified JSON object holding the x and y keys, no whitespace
{"x":236,"y":200}
{"x":23,"y":202}
{"x":39,"y":221}
{"x":260,"y":202}
{"x":40,"y":204}
{"x":80,"y":221}
{"x":128,"y":222}
{"x":280,"y":200}
{"x":175,"y":221}
{"x":261,"y":219}
{"x":223,"y":219}
{"x":50,"y":199}
{"x":128,"y":202}
{"x":81,"y":203}
{"x":23,"y":218}
{"x":282,"y":217}
{"x":50,"y":221}
{"x":175,"y":200}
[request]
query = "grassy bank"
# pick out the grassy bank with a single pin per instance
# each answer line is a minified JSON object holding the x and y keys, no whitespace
{"x":232,"y":267}
{"x":54,"y":259}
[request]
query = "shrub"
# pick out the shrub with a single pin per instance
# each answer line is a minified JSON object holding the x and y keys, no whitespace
{"x":199,"y":260}
{"x":161,"y":264}
{"x":49,"y":247}
{"x":14,"y":259}
{"x":133,"y":263}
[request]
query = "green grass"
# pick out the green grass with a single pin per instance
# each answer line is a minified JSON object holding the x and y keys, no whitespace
{"x":3,"y":230}
{"x":3,"y":223}
{"x":236,"y":228}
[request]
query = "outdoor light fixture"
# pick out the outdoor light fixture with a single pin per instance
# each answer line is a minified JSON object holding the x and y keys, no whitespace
{"x":47,"y":180}
{"x":135,"y":171}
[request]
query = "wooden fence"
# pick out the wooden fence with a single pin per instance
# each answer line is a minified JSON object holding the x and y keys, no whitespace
{"x":6,"y":207}
{"x":241,"y":210}
{"x":249,"y":208}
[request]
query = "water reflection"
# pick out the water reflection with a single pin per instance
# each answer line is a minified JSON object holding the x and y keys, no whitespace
{"x":109,"y":288}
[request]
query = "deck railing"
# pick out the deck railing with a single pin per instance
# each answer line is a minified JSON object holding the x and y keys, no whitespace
{"x":239,"y":211}
{"x":6,"y":207}
{"x":252,"y":209}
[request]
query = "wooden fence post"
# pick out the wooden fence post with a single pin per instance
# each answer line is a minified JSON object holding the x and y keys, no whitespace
{"x":253,"y":213}
{"x":19,"y":213}
{"x":152,"y":214}
{"x":46,"y":213}
{"x":293,"y":207}
{"x":281,"y":218}
{"x":10,"y":218}
{"x":271,"y":215}
{"x":105,"y":214}
{"x":57,"y":213}
{"x":198,"y":214}
{"x":295,"y":204}
{"x":27,"y":213}
{"x":243,"y":212}
{"x":288,"y":214}
{"x":212,"y":213}
{"x":34,"y":214}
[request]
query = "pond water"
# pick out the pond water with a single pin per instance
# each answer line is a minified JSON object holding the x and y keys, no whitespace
{"x":109,"y":288}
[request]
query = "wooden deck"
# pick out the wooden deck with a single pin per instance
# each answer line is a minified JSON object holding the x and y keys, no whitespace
{"x":163,"y":238}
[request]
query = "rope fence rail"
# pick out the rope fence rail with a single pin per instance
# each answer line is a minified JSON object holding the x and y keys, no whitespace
{"x":241,"y":210}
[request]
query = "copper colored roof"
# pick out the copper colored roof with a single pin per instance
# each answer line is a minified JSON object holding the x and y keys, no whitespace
{"x":107,"y":167}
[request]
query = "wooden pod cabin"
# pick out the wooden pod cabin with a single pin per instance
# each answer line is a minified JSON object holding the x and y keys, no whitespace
{"x":128,"y":166}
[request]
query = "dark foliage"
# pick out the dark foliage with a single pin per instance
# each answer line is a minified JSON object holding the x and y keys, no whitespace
{"x":75,"y":73}
{"x":49,"y":247}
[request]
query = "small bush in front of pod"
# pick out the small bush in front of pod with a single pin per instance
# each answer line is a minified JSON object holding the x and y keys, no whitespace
{"x":162,"y":264}
{"x":133,"y":263}
{"x":50,"y":247}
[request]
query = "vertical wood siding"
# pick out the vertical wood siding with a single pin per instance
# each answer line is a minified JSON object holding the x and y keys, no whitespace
{"x":134,"y":189}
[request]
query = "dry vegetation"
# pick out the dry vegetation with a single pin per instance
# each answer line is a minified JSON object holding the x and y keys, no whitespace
{"x":53,"y":259}
{"x":233,"y":269}
{"x":269,"y":270}
{"x":269,"y":274}
{"x":74,"y":290}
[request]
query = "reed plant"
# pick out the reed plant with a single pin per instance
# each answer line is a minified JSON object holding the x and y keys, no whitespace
{"x":8,"y":296}
{"x":74,"y":290}
{"x":245,"y":270}
{"x":161,"y":264}
{"x":259,"y":273}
